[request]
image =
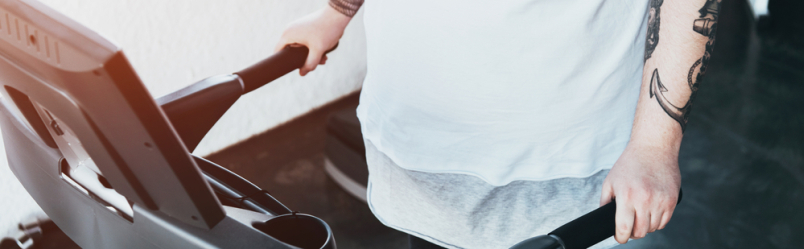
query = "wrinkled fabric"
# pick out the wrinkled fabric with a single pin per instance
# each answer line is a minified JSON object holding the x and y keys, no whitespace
{"x":505,"y":90}
{"x":462,"y":211}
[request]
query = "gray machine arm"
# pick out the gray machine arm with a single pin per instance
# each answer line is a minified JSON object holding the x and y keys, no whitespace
{"x":193,"y":110}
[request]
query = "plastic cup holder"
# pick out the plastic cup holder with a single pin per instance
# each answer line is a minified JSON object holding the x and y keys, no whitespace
{"x":299,"y":230}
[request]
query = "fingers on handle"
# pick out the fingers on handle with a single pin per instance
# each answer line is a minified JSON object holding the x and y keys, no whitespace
{"x":641,"y":224}
{"x":313,"y":58}
{"x":665,"y":219}
{"x":624,"y":219}
{"x":655,"y":221}
{"x":668,"y":208}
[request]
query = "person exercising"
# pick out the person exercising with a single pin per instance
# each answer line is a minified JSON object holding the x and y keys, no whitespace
{"x":489,"y":122}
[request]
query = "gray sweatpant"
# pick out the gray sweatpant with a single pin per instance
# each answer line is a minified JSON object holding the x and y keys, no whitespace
{"x":462,"y":211}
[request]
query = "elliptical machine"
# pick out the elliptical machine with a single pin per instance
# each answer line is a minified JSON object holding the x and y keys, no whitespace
{"x":110,"y":165}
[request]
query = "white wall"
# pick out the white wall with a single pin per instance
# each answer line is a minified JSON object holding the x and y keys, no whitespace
{"x":174,"y":43}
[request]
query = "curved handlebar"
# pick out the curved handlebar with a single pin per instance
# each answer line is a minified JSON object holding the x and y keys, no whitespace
{"x":193,"y":110}
{"x":286,"y":60}
{"x":583,"y":232}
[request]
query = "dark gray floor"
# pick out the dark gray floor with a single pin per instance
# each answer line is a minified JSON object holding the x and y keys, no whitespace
{"x":742,"y":158}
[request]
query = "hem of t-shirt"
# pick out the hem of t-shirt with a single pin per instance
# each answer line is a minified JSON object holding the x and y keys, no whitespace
{"x":396,"y":160}
{"x":602,"y":244}
{"x":407,"y":231}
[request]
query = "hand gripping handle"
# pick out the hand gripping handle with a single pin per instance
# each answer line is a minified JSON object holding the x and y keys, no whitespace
{"x":591,"y":228}
{"x":285,"y":61}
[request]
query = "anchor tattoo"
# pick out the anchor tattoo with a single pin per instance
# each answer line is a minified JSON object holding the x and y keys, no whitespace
{"x":657,"y":89}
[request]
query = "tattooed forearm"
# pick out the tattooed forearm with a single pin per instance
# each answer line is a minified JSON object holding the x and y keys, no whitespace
{"x":706,"y":25}
{"x":346,"y":7}
{"x":653,"y":27}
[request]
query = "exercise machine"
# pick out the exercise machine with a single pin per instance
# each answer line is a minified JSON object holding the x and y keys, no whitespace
{"x":111,"y":165}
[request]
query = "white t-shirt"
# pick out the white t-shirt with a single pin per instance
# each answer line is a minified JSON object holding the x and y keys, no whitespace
{"x":503,"y":90}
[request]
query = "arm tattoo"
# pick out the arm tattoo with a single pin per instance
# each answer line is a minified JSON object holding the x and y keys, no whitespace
{"x":706,"y":25}
{"x":657,"y":89}
{"x":653,"y":27}
{"x":346,"y":7}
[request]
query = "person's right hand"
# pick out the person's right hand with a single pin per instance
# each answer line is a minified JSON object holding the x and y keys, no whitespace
{"x":319,"y":31}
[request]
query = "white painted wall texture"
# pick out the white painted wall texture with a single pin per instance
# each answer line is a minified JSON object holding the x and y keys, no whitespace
{"x":174,"y":43}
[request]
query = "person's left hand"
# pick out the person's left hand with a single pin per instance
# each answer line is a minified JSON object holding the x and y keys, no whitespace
{"x":645,"y":183}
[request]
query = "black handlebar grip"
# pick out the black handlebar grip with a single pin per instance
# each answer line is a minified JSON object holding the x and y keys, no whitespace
{"x":285,"y":61}
{"x":597,"y":226}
